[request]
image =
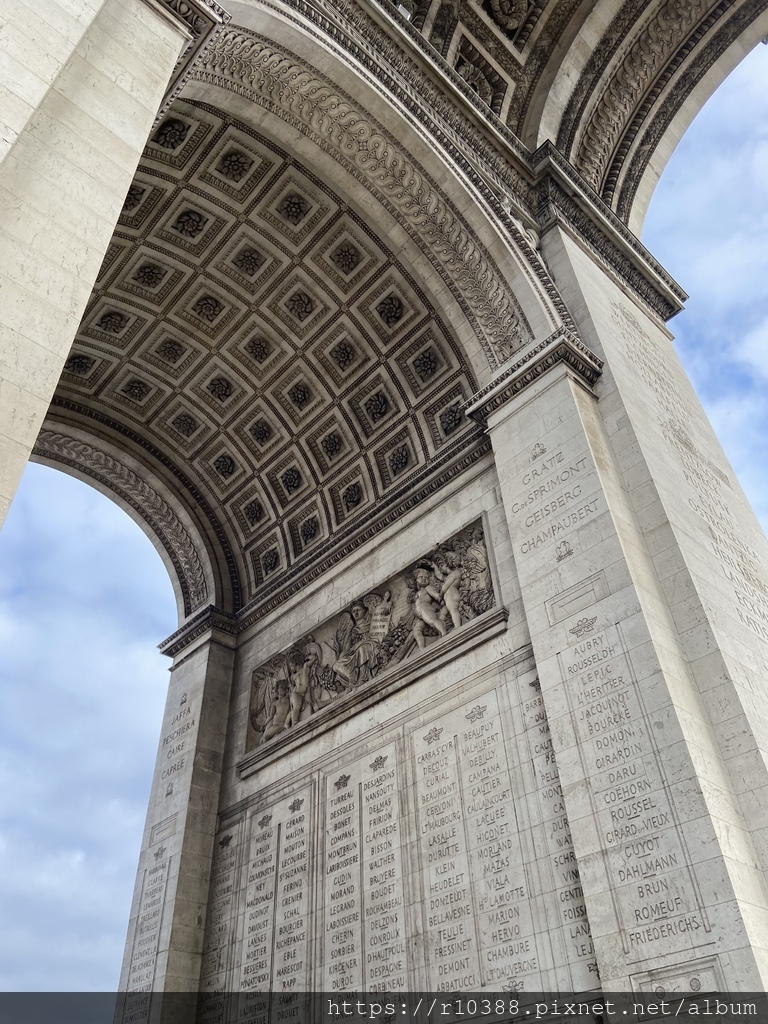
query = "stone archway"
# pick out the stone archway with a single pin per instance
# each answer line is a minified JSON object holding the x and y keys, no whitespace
{"x":355,"y":336}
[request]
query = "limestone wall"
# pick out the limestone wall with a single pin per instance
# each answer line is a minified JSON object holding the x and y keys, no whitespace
{"x":420,"y":840}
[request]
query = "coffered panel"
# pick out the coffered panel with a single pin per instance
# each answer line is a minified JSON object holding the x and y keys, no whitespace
{"x":262,"y":339}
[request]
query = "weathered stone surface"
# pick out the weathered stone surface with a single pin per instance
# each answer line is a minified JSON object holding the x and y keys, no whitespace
{"x":468,"y":685}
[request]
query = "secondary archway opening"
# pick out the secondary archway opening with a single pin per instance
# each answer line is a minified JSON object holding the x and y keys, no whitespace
{"x":84,"y":600}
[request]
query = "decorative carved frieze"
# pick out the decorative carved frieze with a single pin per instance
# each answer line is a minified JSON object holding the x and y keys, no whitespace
{"x":480,"y":75}
{"x":508,"y":14}
{"x":696,"y":58}
{"x":644,"y":58}
{"x":202,"y":19}
{"x":441,"y":592}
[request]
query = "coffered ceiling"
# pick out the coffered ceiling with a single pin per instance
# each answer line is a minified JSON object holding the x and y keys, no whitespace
{"x":253,"y":332}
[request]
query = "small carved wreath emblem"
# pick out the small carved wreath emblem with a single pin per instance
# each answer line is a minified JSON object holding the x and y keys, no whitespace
{"x":537,"y":450}
{"x":379,"y":763}
{"x":264,"y":820}
{"x":295,"y":805}
{"x":563,"y":550}
{"x":433,"y":735}
{"x":342,"y":782}
{"x":583,"y":626}
{"x":513,"y":985}
{"x":476,"y":713}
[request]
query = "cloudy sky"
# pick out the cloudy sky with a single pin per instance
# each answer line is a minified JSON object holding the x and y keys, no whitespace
{"x":84,"y":598}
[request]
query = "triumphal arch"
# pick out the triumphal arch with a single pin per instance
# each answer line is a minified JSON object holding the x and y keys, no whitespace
{"x":343,"y":301}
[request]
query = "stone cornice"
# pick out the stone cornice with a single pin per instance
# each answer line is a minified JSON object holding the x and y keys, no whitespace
{"x":211,"y":619}
{"x":201,"y":20}
{"x":565,"y":198}
{"x":656,"y":114}
{"x":560,"y":347}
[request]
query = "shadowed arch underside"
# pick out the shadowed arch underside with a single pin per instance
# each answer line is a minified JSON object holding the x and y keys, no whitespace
{"x":294,"y":358}
{"x":256,"y":344}
{"x":302,"y":296}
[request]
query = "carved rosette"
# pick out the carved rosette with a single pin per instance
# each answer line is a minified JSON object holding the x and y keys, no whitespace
{"x":277,"y":80}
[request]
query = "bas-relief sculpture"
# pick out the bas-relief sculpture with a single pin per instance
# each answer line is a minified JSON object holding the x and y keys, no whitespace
{"x":437,"y":594}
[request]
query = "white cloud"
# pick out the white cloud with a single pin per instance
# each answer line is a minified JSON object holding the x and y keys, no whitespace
{"x":752,"y":351}
{"x":707,"y":224}
{"x":83,"y":602}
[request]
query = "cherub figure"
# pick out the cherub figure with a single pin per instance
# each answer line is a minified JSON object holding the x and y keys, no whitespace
{"x":299,"y":675}
{"x":281,"y":709}
{"x":426,"y":611}
{"x":448,"y":573}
